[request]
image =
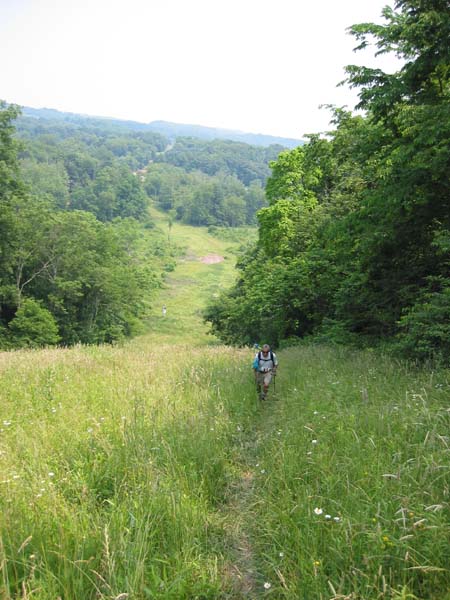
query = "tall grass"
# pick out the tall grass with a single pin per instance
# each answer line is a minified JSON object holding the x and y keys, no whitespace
{"x":151,"y":471}
{"x":113,"y":466}
{"x":352,"y":490}
{"x":143,"y":474}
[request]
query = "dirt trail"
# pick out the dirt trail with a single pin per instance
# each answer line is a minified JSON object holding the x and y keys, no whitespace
{"x":241,"y":571}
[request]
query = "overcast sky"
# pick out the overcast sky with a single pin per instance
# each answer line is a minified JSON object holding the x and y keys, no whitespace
{"x":254,"y":65}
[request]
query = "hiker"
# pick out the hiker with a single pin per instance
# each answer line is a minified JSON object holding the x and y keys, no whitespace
{"x":164,"y":310}
{"x":265,"y":367}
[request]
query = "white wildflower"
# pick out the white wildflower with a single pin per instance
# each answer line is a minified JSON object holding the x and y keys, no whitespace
{"x":313,"y":441}
{"x":267,"y":585}
{"x":337,"y":519}
{"x":318,"y":511}
{"x":328,"y":517}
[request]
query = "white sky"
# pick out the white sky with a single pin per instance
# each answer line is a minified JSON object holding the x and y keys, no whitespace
{"x":260,"y":66}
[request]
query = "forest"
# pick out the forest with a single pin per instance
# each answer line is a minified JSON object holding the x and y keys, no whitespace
{"x":354,"y":246}
{"x":354,"y":225}
{"x":80,"y":258}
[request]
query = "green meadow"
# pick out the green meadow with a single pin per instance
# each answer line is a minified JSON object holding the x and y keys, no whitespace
{"x":150,"y":470}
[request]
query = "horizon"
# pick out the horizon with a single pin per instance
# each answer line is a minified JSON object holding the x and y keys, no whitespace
{"x":111,"y":118}
{"x":244,"y":67}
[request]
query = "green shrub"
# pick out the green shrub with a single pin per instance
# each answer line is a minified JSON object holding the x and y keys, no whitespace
{"x":33,"y":326}
{"x":425,"y":328}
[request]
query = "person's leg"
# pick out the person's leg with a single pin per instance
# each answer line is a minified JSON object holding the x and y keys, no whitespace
{"x":267,"y":380}
{"x":260,"y":384}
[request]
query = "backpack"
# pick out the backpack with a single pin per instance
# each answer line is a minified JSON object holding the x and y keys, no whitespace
{"x":260,"y":356}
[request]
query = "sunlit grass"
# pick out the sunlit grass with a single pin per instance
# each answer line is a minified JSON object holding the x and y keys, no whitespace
{"x":193,"y":284}
{"x":354,"y":499}
{"x":151,"y":470}
{"x":114,"y":463}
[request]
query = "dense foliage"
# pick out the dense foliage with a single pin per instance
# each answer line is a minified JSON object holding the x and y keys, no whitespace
{"x":215,"y":182}
{"x":199,"y":199}
{"x":356,"y":241}
{"x":247,"y":163}
{"x":86,"y":167}
{"x":66,"y":276}
{"x":109,"y":170}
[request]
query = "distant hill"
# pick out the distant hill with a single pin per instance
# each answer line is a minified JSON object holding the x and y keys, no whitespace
{"x":174,"y":130}
{"x":169,"y":130}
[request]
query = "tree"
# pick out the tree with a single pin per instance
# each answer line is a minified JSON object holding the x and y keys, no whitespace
{"x":359,"y":222}
{"x":33,"y":326}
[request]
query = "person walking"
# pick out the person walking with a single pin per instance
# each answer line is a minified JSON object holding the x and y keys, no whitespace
{"x":265,"y":366}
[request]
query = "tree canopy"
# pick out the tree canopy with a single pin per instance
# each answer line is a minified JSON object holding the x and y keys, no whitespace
{"x":76,"y":263}
{"x":355,"y":244}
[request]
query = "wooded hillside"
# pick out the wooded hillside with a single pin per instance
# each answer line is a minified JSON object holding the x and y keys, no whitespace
{"x":355,"y":245}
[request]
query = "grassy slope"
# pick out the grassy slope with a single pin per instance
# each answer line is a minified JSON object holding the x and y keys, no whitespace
{"x":151,"y":470}
{"x":192,"y":284}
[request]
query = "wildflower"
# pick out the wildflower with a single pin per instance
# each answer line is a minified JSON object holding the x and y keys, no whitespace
{"x":318,"y":511}
{"x":267,"y":585}
{"x":328,"y":517}
{"x":90,"y":430}
{"x":51,"y":474}
{"x":313,"y":441}
{"x":317,"y":563}
{"x":263,"y":471}
{"x":281,"y":554}
{"x":316,"y":412}
{"x":309,"y":453}
{"x":6,"y":423}
{"x":337,"y":519}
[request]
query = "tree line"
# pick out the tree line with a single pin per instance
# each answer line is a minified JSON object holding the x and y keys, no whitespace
{"x":105,"y":168}
{"x":354,"y":246}
{"x":79,"y":258}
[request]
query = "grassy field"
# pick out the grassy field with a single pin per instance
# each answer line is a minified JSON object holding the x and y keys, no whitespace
{"x":151,"y":470}
{"x":193,"y":283}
